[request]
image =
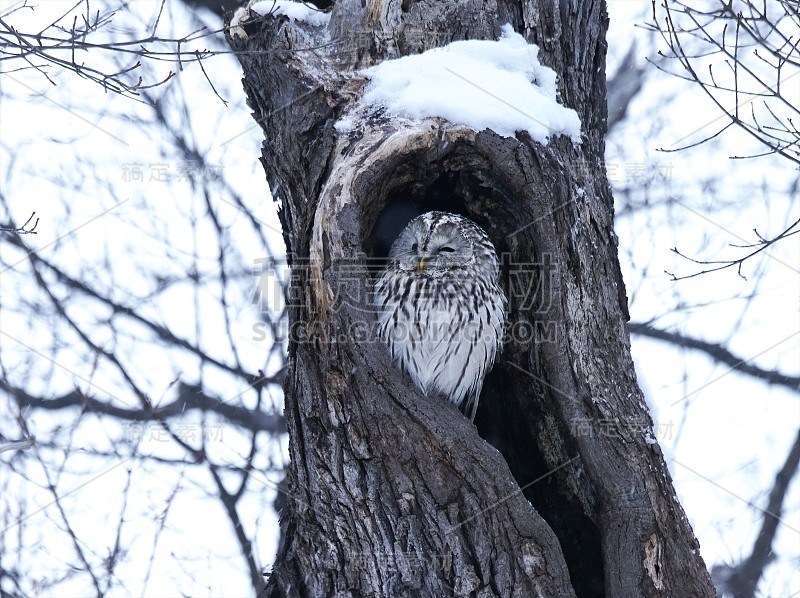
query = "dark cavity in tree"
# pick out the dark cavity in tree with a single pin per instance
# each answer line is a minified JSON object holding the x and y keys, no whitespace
{"x":506,"y":415}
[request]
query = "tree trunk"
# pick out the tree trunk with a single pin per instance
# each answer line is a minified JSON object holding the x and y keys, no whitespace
{"x":393,"y":494}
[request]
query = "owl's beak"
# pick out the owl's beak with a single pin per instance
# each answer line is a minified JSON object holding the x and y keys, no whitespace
{"x":421,"y":264}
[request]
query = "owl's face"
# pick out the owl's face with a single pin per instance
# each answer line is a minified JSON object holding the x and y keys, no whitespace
{"x":434,"y":244}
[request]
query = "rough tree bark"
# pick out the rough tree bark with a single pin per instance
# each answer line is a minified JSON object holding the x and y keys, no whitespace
{"x":392,"y":494}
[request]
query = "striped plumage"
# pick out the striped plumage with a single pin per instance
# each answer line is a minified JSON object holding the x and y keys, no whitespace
{"x":441,"y":309}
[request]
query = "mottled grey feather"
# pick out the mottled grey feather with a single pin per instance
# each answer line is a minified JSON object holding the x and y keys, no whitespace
{"x":441,"y":309}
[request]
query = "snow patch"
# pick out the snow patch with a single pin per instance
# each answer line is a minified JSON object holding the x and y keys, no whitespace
{"x":296,"y":11}
{"x":483,"y":84}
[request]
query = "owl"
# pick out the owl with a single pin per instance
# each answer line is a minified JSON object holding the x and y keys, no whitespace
{"x":441,"y":309}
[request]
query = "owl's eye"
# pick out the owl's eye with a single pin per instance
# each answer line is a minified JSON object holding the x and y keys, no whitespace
{"x":414,"y":247}
{"x":446,"y":249}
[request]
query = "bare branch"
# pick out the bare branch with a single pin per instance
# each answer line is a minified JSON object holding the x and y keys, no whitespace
{"x":741,"y":581}
{"x":189,"y":397}
{"x":757,"y":247}
{"x":623,"y":87}
{"x":718,"y":353}
{"x":161,"y":332}
{"x":18,"y":445}
{"x":229,"y":501}
{"x":21,"y":230}
{"x":741,"y":38}
{"x":44,"y":49}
